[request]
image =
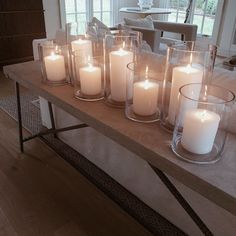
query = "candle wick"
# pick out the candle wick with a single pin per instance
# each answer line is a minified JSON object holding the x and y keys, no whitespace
{"x":146,"y":73}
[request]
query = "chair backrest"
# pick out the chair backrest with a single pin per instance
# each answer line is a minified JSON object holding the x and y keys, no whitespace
{"x":151,"y":36}
{"x":189,"y":31}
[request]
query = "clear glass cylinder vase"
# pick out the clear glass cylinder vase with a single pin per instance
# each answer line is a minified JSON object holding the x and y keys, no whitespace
{"x":89,"y":74}
{"x":54,"y":63}
{"x":201,"y":125}
{"x":81,"y":37}
{"x":184,"y":65}
{"x":143,"y":97}
{"x":120,"y":48}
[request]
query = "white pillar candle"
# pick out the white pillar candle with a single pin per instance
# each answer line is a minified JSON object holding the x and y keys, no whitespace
{"x":90,"y":80}
{"x":84,"y":46}
{"x":199,"y":130}
{"x":118,"y":66}
{"x":55,"y":67}
{"x":145,"y":96}
{"x":181,"y":75}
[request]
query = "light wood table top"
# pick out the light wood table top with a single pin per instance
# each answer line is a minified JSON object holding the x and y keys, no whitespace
{"x":217,"y":182}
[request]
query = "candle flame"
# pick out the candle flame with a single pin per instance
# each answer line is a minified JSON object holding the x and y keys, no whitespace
{"x":205,"y":93}
{"x":191,"y":59}
{"x":53,"y":56}
{"x":146,"y":72}
{"x":123,"y":45}
{"x":89,"y":58}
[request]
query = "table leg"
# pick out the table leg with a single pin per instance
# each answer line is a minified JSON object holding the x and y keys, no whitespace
{"x":19,"y":117}
{"x":53,"y":130}
{"x":52,"y":118}
{"x":174,"y":191}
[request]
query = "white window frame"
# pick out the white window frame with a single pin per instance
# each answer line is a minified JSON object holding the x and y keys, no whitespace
{"x":218,"y":15}
{"x":89,"y":11}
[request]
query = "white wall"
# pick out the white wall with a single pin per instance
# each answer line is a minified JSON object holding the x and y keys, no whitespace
{"x":52,"y":17}
{"x":227,"y":27}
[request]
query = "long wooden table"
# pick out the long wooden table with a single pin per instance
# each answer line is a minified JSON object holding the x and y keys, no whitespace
{"x":151,"y":142}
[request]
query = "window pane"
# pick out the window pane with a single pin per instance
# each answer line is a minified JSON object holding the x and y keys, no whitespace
{"x":106,"y":18}
{"x":181,"y":17}
{"x":97,"y":5}
{"x":81,"y":17}
{"x":70,"y":18}
{"x":178,"y":9}
{"x":106,"y":5}
{"x":197,"y":20}
{"x":173,"y":4}
{"x":172,"y":16}
{"x":70,"y":6}
{"x":208,"y":25}
{"x":199,"y":8}
{"x":198,"y":15}
{"x":81,"y":5}
{"x":210,"y":17}
{"x":97,"y":15}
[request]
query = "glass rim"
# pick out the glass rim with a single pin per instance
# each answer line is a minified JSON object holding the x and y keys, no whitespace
{"x":211,"y":47}
{"x":128,"y":66}
{"x":209,"y":85}
{"x":79,"y":56}
{"x":52,"y":44}
{"x":112,"y":33}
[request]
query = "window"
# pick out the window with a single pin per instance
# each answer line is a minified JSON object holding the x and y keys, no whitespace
{"x":84,"y":10}
{"x":201,"y":13}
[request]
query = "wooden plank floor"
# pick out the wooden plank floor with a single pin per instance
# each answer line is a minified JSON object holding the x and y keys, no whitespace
{"x":40,"y":194}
